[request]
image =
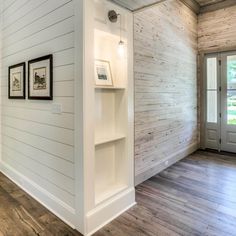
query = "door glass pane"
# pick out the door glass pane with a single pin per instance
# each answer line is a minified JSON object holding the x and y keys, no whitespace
{"x":212,"y":106}
{"x":231,"y":90}
{"x":211,"y":90}
{"x":211,"y":73}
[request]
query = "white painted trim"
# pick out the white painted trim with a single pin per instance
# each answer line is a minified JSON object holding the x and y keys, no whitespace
{"x":96,"y":216}
{"x":78,"y":120}
{"x":111,"y":219}
{"x":109,"y":210}
{"x":160,"y":166}
{"x":52,"y":203}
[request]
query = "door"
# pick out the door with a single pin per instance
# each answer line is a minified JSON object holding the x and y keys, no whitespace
{"x":220,"y":88}
{"x":212,"y":89}
{"x":228,"y":102}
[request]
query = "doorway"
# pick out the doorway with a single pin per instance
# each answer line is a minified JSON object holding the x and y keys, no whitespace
{"x":220,"y":93}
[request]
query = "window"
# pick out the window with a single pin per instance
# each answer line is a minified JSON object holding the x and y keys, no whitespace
{"x":212,"y":90}
{"x":231,"y":90}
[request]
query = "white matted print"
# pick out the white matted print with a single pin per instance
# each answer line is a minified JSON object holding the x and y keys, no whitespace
{"x":16,"y":81}
{"x":40,"y":81}
{"x":103,"y":76}
{"x":40,"y":78}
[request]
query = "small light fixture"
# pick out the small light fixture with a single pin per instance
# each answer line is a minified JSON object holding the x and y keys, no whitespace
{"x":113,"y":17}
{"x":121,"y":48}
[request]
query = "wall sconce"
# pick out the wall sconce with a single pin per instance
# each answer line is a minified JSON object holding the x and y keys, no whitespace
{"x":113,"y":17}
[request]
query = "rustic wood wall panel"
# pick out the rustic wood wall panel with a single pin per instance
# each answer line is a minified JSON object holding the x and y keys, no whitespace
{"x":217,"y":30}
{"x":165,"y":64}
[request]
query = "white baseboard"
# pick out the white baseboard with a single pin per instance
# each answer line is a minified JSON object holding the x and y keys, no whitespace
{"x":95,"y":219}
{"x":108,"y":211}
{"x":160,"y":166}
{"x":52,"y":203}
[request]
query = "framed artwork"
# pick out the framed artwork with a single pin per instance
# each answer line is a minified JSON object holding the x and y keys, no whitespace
{"x":103,"y":76}
{"x":16,"y":81}
{"x":40,"y":78}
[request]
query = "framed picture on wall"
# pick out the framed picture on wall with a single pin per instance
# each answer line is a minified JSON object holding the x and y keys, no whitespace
{"x":40,"y":78}
{"x":103,"y":76}
{"x":16,"y":81}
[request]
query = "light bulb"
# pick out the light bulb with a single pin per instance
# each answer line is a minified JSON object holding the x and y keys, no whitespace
{"x":121,"y":48}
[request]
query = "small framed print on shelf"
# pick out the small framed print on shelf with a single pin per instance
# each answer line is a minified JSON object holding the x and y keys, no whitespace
{"x":103,"y":76}
{"x":40,"y":78}
{"x":16,"y":81}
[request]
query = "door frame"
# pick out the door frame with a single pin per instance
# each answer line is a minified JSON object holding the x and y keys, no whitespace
{"x":224,"y":118}
{"x":202,"y":90}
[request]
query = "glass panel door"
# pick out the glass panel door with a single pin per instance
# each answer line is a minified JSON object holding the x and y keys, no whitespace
{"x":212,"y":98}
{"x":231,"y":90}
{"x":220,"y":97}
{"x":228,"y":102}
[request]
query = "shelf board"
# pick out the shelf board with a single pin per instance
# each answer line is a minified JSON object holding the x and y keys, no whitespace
{"x":113,"y":138}
{"x":109,"y":191}
{"x":110,"y":88}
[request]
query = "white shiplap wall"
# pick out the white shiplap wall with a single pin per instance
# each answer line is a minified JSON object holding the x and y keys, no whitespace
{"x":1,"y":7}
{"x":37,"y":145}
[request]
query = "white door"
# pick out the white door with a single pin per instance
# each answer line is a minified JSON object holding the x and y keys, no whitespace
{"x":228,"y":102}
{"x":220,"y":87}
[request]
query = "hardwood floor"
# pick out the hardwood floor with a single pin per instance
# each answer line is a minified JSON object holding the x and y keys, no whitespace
{"x":196,"y":196}
{"x":21,"y":215}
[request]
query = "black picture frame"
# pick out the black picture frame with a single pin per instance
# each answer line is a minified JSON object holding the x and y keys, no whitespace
{"x":22,"y":64}
{"x":34,"y":61}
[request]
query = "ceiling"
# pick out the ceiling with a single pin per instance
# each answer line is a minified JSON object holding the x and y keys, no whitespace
{"x":135,"y":4}
{"x":193,"y":4}
{"x":207,"y":2}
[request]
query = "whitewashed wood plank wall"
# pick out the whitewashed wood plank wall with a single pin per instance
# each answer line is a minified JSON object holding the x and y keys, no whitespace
{"x":217,"y":30}
{"x":165,"y":65}
{"x":36,"y":143}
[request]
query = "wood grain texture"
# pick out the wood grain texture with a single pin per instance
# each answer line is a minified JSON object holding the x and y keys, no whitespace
{"x":193,"y":5}
{"x":165,"y":62}
{"x":186,"y":199}
{"x":217,"y":6}
{"x":217,"y":30}
{"x":208,"y":2}
{"x":21,"y":215}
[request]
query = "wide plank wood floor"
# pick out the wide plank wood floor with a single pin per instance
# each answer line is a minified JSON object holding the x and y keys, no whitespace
{"x":196,"y":196}
{"x":21,"y":215}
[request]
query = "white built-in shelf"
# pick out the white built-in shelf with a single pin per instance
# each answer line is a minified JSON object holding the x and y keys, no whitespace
{"x":109,"y":191}
{"x":110,"y":88}
{"x":109,"y":147}
{"x":113,"y":138}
